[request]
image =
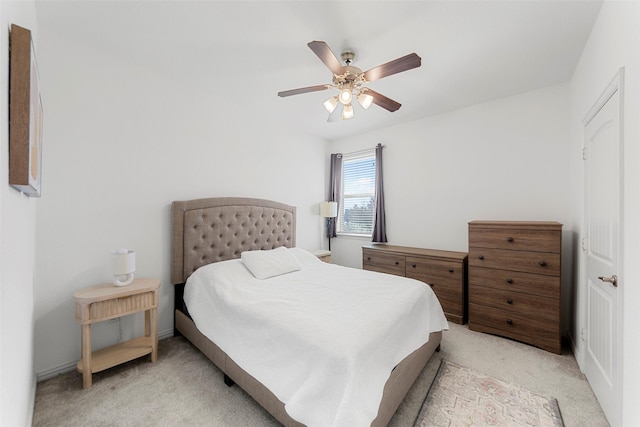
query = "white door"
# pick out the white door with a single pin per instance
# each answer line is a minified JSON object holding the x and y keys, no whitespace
{"x":604,"y":231}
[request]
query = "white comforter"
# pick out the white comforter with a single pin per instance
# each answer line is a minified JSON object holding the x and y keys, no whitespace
{"x":323,"y":339}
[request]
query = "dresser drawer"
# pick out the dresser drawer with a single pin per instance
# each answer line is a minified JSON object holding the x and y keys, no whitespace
{"x":440,"y":285}
{"x":434,"y":268}
{"x":537,"y":331}
{"x":547,"y":286}
{"x":453,"y":307}
{"x":530,"y":262}
{"x":515,"y":239}
{"x":382,"y":269}
{"x":383,"y":262}
{"x":523,"y":304}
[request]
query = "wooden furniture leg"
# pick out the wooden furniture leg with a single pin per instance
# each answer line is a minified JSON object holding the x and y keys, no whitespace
{"x":152,"y":317}
{"x":86,"y":356}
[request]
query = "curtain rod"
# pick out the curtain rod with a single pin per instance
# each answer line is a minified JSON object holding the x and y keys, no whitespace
{"x":354,"y":153}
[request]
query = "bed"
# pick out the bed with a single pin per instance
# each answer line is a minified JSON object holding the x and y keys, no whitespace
{"x":213,"y":230}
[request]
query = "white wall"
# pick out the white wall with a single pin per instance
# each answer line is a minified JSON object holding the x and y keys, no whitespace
{"x":121,"y":143}
{"x":17,"y":253}
{"x":614,"y":43}
{"x":502,"y":160}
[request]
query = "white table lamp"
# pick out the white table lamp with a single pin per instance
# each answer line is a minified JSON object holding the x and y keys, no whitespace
{"x":123,"y":265}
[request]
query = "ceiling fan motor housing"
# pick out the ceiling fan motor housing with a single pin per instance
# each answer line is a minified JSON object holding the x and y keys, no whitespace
{"x":352,"y":77}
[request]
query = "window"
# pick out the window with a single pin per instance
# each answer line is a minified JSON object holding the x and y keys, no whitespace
{"x":358,"y":193}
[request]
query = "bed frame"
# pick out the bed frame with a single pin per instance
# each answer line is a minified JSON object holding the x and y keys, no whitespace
{"x":217,"y":229}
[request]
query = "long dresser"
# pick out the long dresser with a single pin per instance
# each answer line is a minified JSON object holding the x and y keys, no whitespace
{"x":444,"y":271}
{"x":514,"y":280}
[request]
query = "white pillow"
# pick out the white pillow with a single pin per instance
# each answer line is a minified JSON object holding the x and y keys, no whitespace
{"x":270,"y":263}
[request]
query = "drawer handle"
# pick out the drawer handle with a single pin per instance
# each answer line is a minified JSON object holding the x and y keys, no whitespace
{"x":509,"y":281}
{"x":413,"y":265}
{"x":509,"y":239}
{"x":450,"y":270}
{"x":509,"y":322}
{"x":397,"y":262}
{"x":481,"y":257}
{"x":543,"y":263}
{"x":509,"y":301}
{"x":368,"y":258}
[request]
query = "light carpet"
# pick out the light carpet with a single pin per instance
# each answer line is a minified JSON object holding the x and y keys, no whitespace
{"x":459,"y":396}
{"x":183,"y":388}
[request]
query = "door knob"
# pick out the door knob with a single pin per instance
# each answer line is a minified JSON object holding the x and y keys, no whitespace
{"x":613,"y":280}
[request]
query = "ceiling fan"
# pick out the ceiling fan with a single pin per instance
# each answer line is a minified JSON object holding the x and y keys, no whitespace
{"x":350,"y":81}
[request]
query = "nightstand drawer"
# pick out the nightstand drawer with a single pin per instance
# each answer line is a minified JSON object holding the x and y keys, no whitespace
{"x":110,"y":309}
{"x":530,"y":262}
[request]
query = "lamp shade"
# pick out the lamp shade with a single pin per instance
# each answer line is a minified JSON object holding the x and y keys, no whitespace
{"x":329,"y":209}
{"x":123,"y":265}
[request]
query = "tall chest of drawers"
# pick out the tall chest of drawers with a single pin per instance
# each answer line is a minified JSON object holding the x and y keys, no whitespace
{"x":444,"y":271}
{"x":514,"y":280}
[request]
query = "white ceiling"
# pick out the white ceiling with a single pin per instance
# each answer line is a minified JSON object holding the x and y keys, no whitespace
{"x":472,"y":51}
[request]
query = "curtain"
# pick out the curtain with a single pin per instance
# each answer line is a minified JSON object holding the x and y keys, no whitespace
{"x":379,"y":227}
{"x":335,"y":190}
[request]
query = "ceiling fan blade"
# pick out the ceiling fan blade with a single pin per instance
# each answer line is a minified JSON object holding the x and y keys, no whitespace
{"x":322,"y":50}
{"x":307,"y":89}
{"x":382,"y":101}
{"x":396,"y":66}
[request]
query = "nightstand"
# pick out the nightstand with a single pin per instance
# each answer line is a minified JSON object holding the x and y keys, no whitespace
{"x":106,"y":301}
{"x":323,"y":255}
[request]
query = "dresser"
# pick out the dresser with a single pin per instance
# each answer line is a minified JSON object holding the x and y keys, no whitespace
{"x":514,"y":280}
{"x":444,"y":271}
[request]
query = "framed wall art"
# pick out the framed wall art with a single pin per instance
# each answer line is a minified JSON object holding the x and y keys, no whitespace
{"x":25,"y":115}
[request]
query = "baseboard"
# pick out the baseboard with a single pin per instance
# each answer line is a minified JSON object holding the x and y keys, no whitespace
{"x":67,"y":367}
{"x":56,"y":370}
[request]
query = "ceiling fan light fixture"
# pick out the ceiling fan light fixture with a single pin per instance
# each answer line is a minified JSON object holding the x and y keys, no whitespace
{"x":350,"y":81}
{"x":365,"y":100}
{"x":331,"y":104}
{"x":347,"y":112}
{"x":345,"y":96}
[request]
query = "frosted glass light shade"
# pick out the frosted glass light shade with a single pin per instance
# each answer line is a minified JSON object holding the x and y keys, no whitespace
{"x":123,"y":265}
{"x":365,"y":100}
{"x":347,"y":112}
{"x":331,"y":104}
{"x":329,"y":209}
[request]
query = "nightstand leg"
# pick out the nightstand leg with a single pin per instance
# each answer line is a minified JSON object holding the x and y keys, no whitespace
{"x":147,"y":323}
{"x":86,"y":356}
{"x":151,"y":330}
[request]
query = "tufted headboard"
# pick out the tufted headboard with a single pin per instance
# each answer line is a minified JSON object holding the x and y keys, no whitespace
{"x":221,"y":228}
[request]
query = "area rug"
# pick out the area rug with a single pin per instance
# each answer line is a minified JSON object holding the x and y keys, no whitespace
{"x":460,"y":396}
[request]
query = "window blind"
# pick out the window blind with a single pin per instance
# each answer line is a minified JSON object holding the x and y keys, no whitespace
{"x":358,"y":193}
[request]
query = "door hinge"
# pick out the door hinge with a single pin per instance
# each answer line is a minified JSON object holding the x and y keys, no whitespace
{"x":584,"y":153}
{"x":583,"y":243}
